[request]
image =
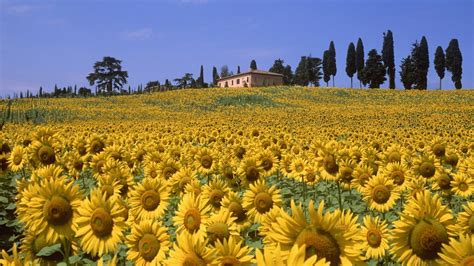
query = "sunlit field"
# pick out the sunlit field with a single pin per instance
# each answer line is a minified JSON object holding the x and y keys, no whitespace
{"x":261,"y":176}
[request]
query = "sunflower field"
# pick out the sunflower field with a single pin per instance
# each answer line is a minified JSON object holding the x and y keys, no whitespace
{"x":252,"y":176}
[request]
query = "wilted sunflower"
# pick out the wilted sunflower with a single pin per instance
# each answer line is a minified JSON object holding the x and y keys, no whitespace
{"x":17,"y":159}
{"x":249,"y":171}
{"x":465,"y":221}
{"x":458,"y":252}
{"x":148,"y":199}
{"x":190,"y":250}
{"x":380,"y":193}
{"x":148,"y":243}
{"x":50,"y":207}
{"x":214,"y":192}
{"x":260,"y":199}
{"x":192,"y":213}
{"x":424,"y":225}
{"x":374,"y":237}
{"x":100,"y":224}
{"x":462,"y":185}
{"x":232,"y":252}
{"x":221,"y":226}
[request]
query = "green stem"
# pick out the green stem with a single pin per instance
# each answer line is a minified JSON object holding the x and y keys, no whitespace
{"x":339,"y":198}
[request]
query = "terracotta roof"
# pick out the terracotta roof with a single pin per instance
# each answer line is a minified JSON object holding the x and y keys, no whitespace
{"x":260,"y":72}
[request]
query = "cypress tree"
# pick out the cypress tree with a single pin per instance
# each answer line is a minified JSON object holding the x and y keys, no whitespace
{"x":440,"y":64}
{"x":238,"y":69}
{"x":374,"y":70}
{"x":407,"y":70}
{"x":326,"y":71}
{"x":40,"y":92}
{"x":351,"y":61}
{"x":215,"y":76}
{"x":389,"y":57}
{"x":454,"y":62}
{"x":332,"y":67}
{"x":253,"y":65}
{"x":421,"y":61}
{"x":360,"y":60}
{"x":200,"y":80}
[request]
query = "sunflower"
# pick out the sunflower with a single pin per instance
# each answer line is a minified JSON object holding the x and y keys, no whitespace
{"x":233,"y":203}
{"x":232,"y":253}
{"x":374,"y":237}
{"x":97,"y":164}
{"x":362,"y":174}
{"x":46,"y":172}
{"x":298,"y":168}
{"x":424,"y":225}
{"x":149,"y":199}
{"x":437,"y":147}
{"x":192,"y":213}
{"x":43,"y":153}
{"x":458,"y":252}
{"x":268,"y":161}
{"x":95,"y":144}
{"x":465,"y":221}
{"x":327,"y":159}
{"x":148,"y":243}
{"x":181,"y":178}
{"x":425,"y":166}
{"x":151,"y":169}
{"x":205,"y":161}
{"x":380,"y":193}
{"x":119,"y":171}
{"x":109,"y":186}
{"x":345,"y":172}
{"x":193,"y":186}
{"x":228,"y":169}
{"x":190,"y":250}
{"x":214,"y":192}
{"x":260,"y":199}
{"x":50,"y":207}
{"x":312,"y":176}
{"x":296,"y":256}
{"x":416,"y":186}
{"x":74,"y":163}
{"x":462,"y":185}
{"x":249,"y":171}
{"x":331,"y":235}
{"x":394,"y":154}
{"x":167,"y":168}
{"x":398,"y":173}
{"x":100,"y":224}
{"x":14,"y":260}
{"x":221,"y":226}
{"x":17,"y":159}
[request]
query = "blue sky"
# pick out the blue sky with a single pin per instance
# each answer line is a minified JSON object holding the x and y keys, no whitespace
{"x":43,"y":43}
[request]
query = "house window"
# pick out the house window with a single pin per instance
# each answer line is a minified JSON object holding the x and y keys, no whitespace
{"x":238,"y":81}
{"x":226,"y":84}
{"x":247,"y":79}
{"x":232,"y":82}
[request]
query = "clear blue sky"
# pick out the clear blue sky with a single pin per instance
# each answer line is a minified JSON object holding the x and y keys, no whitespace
{"x":56,"y":42}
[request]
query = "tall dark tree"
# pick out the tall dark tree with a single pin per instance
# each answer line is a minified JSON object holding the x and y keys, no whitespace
{"x":407,"y":70}
{"x":351,"y":67}
{"x":253,"y":65}
{"x":332,"y":66}
{"x":440,"y":64}
{"x":389,"y":57}
{"x":421,"y":61}
{"x":215,"y":76}
{"x":374,"y":70}
{"x":225,"y":71}
{"x":200,"y":79}
{"x":301,"y":73}
{"x":454,"y":62}
{"x":168,"y":85}
{"x":288,"y":76}
{"x":238,"y":69}
{"x":314,"y":70}
{"x":360,"y":61}
{"x":40,"y":94}
{"x":108,"y":75}
{"x":279,"y":67}
{"x":326,"y":70}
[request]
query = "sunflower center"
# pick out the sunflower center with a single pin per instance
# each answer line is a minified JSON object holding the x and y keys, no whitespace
{"x":444,"y":181}
{"x":427,"y":169}
{"x":153,"y":173}
{"x":426,"y":238}
{"x":97,"y":146}
{"x":193,"y":260}
{"x":168,"y":171}
{"x":81,"y":149}
{"x":108,"y":190}
{"x":206,"y":161}
{"x":150,"y":200}
{"x":471,"y":224}
{"x":252,"y":173}
{"x":216,"y":197}
{"x":330,"y":164}
{"x":299,"y":168}
{"x":228,"y":173}
{"x":192,"y":220}
{"x":78,"y":164}
{"x":263,"y":202}
{"x":101,"y":222}
{"x":237,"y":211}
{"x":217,"y":231}
{"x":46,"y":155}
{"x":394,"y":156}
{"x":240,"y":152}
{"x":468,"y":261}
{"x":452,"y":159}
{"x":374,"y":238}
{"x":381,"y":194}
{"x":319,"y":243}
{"x":346,"y":174}
{"x":398,"y":177}
{"x":439,"y":150}
{"x":17,"y":158}
{"x":267,"y":164}
{"x":148,"y":247}
{"x":229,"y":261}
{"x":310,"y":177}
{"x":57,"y":211}
{"x":463,"y":186}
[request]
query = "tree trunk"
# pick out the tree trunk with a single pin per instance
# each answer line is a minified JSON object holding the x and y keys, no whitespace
{"x":440,"y":83}
{"x":351,"y":82}
{"x":333,"y":81}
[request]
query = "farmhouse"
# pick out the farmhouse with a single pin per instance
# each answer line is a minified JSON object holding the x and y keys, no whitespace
{"x":252,"y":78}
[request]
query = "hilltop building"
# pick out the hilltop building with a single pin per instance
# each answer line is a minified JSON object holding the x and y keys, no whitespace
{"x":252,"y":78}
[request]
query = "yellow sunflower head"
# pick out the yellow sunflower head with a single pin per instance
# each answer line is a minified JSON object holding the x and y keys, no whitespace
{"x":260,"y":199}
{"x":192,"y":213}
{"x":148,"y":243}
{"x":149,"y":199}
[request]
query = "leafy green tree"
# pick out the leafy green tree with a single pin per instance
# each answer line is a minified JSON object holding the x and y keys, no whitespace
{"x":351,"y":67}
{"x":389,"y":57}
{"x":440,"y":64}
{"x":407,"y":70}
{"x":360,"y":61}
{"x":185,"y":81}
{"x":332,"y":66}
{"x":326,"y":69}
{"x":152,"y":86}
{"x":215,"y":76}
{"x":253,"y":65}
{"x":454,"y":62}
{"x":225,"y":71}
{"x":374,"y":70}
{"x":108,"y":75}
{"x":288,"y":76}
{"x":314,"y":70}
{"x":301,"y":73}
